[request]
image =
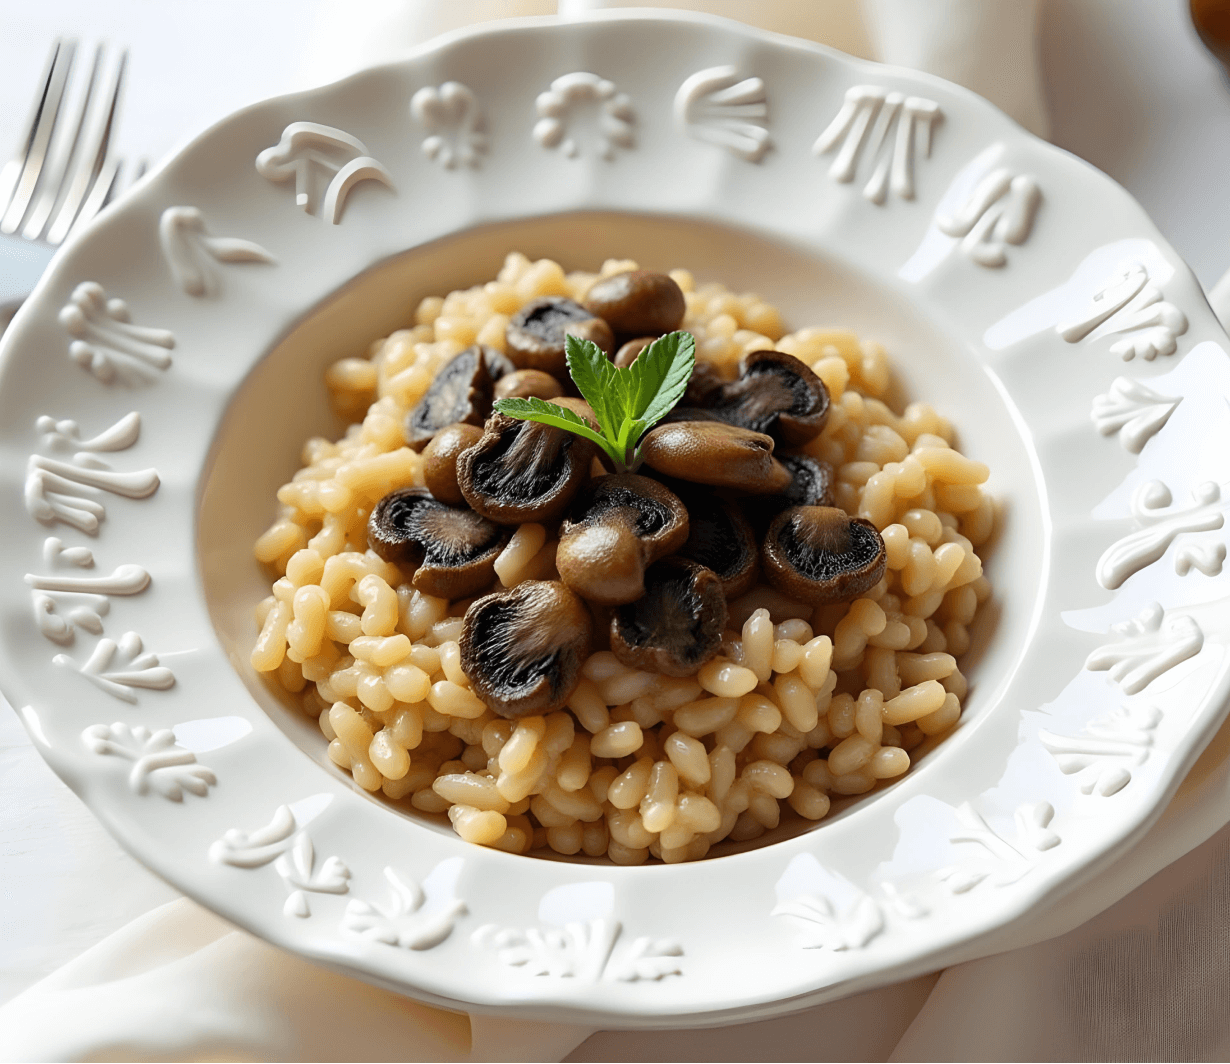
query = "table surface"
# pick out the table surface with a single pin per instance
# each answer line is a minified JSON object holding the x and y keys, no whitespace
{"x":1129,"y":88}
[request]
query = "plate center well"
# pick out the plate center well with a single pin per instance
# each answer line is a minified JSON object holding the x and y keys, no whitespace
{"x":283,"y":402}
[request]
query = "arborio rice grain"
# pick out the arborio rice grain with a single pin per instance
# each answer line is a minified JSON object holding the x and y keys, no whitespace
{"x":800,"y":706}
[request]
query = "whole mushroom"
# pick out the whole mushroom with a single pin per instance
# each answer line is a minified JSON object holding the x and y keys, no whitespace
{"x":637,"y":303}
{"x":522,"y":649}
{"x":616,"y":527}
{"x":440,"y":461}
{"x":523,"y":383}
{"x":820,"y":554}
{"x":714,"y":453}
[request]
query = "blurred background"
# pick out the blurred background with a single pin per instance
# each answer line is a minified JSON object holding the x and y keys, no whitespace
{"x":1126,"y":84}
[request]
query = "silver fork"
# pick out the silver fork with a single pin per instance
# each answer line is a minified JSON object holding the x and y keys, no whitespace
{"x":64,"y":173}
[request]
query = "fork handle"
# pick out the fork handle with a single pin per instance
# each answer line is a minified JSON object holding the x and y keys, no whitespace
{"x":22,"y":263}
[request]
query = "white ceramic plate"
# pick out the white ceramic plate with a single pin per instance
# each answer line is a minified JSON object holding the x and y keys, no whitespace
{"x":156,"y":388}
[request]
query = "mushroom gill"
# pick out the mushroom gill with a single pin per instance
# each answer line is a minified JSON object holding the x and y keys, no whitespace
{"x":820,"y":554}
{"x":677,"y":626}
{"x":454,"y":550}
{"x":460,"y":394}
{"x":522,"y":649}
{"x":523,"y":471}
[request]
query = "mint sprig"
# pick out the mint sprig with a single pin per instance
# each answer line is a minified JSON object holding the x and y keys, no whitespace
{"x":626,"y":402}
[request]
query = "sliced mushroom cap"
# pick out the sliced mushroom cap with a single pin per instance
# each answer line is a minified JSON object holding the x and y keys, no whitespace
{"x":455,"y":550}
{"x":638,"y":303}
{"x":712,"y":452}
{"x":811,"y":484}
{"x":527,"y":383}
{"x":776,"y":394}
{"x":522,"y":649}
{"x":498,"y":365}
{"x":523,"y":471}
{"x":704,"y":387}
{"x":534,"y":338}
{"x":677,"y":626}
{"x":440,"y":461}
{"x":721,"y":539}
{"x":616,"y":527}
{"x":460,"y":394}
{"x":820,"y":554}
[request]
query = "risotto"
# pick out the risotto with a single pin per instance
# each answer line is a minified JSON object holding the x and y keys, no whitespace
{"x":796,"y":703}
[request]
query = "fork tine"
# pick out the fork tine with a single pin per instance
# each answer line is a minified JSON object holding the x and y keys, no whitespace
{"x":94,"y":171}
{"x":49,"y":113}
{"x":100,"y":194}
{"x":67,"y":151}
{"x":13,"y":168}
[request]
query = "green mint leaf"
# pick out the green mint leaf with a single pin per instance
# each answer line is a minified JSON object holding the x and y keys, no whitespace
{"x":560,"y":417}
{"x":662,"y":373}
{"x":595,"y":378}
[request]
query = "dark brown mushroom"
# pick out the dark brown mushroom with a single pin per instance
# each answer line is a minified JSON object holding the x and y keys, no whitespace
{"x":455,"y":550}
{"x":712,"y":452}
{"x":498,"y":365}
{"x":631,"y":351}
{"x":678,"y":624}
{"x":820,"y":554}
{"x":638,"y":303}
{"x":460,"y":394}
{"x":440,"y":461}
{"x":811,"y":484}
{"x":522,"y":649}
{"x":720,"y":538}
{"x":616,"y":527}
{"x":523,"y":471}
{"x":706,"y":384}
{"x":534,"y":338}
{"x":527,"y":383}
{"x":776,"y":394}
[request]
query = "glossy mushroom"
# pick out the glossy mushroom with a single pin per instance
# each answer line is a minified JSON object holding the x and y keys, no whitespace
{"x":811,"y":484}
{"x":498,"y":365}
{"x":637,"y":303}
{"x":455,"y":550}
{"x":440,"y":461}
{"x":616,"y":527}
{"x":714,"y":453}
{"x":677,"y":626}
{"x":523,"y":471}
{"x":527,"y":383}
{"x":704,"y":387}
{"x":776,"y":394}
{"x":820,"y":554}
{"x":631,"y":351}
{"x":460,"y":394}
{"x":522,"y":649}
{"x":534,"y":338}
{"x":721,"y":539}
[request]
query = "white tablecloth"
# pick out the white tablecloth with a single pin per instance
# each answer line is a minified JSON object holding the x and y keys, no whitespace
{"x":1130,"y":89}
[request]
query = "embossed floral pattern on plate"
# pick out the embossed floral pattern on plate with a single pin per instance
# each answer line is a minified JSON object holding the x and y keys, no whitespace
{"x":1110,"y":373}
